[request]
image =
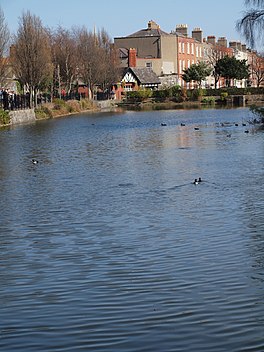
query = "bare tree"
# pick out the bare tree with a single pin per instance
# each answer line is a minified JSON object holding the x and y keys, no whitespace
{"x":4,"y":40}
{"x":215,"y":55}
{"x":97,"y":64}
{"x":252,"y":24}
{"x":64,"y":56}
{"x":257,"y":69}
{"x":109,"y":63}
{"x":31,"y":56}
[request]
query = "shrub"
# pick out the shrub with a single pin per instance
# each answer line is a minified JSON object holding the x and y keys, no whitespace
{"x":223,"y":96}
{"x":86,"y":104}
{"x":73,"y":106}
{"x":208,"y":100}
{"x":139,"y":95}
{"x":43,"y":112}
{"x":196,"y":94}
{"x":4,"y":117}
{"x":58,"y":104}
{"x":161,"y":94}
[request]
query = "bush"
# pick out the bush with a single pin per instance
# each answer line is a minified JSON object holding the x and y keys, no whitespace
{"x":196,"y":94}
{"x":208,"y":100}
{"x":43,"y":112}
{"x":161,"y":94}
{"x":223,"y":96}
{"x":4,"y":117}
{"x":139,"y":95}
{"x":59,"y":104}
{"x":73,"y":106}
{"x":86,"y":104}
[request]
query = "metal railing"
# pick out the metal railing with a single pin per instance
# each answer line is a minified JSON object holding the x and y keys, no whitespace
{"x":14,"y":101}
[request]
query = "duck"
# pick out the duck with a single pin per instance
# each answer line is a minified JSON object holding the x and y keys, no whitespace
{"x":34,"y":161}
{"x":195,"y":182}
{"x":182,"y":124}
{"x":246,"y":131}
{"x":163,"y":124}
{"x":196,"y":128}
{"x":199,"y":180}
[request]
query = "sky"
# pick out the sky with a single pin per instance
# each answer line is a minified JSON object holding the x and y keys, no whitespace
{"x":121,"y":18}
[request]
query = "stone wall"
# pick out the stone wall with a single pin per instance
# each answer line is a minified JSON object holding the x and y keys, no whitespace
{"x":22,"y":116}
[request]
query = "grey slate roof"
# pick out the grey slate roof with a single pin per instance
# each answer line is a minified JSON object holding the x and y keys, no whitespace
{"x":145,"y":75}
{"x":149,"y":33}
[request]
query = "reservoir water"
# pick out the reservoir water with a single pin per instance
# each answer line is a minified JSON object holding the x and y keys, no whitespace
{"x":107,"y":245}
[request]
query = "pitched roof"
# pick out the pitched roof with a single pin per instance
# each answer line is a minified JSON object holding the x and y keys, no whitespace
{"x":145,"y":75}
{"x":155,"y":32}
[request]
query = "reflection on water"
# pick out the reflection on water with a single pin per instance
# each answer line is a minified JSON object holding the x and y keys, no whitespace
{"x":106,"y":243}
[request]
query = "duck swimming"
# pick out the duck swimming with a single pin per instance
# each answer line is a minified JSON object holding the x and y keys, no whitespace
{"x":195,"y":182}
{"x":34,"y":161}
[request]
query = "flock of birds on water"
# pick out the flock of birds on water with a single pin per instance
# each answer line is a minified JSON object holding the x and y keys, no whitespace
{"x":196,"y":180}
{"x":222,"y":124}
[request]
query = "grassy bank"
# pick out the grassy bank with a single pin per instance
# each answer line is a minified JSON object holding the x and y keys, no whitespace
{"x":60,"y":107}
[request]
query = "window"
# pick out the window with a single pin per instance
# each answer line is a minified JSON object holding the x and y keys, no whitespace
{"x":183,"y":48}
{"x":149,"y":64}
{"x":188,"y":48}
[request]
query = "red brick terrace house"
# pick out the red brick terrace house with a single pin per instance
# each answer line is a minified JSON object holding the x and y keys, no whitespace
{"x":189,"y":49}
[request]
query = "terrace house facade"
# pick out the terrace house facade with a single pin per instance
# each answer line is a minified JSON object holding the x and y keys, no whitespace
{"x":169,"y":54}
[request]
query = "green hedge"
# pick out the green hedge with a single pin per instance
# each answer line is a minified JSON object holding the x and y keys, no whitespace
{"x":4,"y":117}
{"x":138,"y":95}
{"x":234,"y":91}
{"x":178,"y":94}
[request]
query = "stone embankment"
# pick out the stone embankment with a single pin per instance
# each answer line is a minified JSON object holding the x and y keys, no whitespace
{"x":22,"y":116}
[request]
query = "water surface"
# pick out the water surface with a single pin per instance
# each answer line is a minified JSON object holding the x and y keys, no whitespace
{"x":106,"y":245}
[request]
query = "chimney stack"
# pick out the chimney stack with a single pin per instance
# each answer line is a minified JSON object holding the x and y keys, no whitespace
{"x":222,"y":41}
{"x":211,"y":39}
{"x":235,"y":45}
{"x":244,"y":47}
{"x":182,"y":29}
{"x":132,"y":57}
{"x":197,"y":34}
{"x":153,"y":25}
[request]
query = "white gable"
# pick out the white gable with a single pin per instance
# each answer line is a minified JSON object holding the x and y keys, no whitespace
{"x":129,"y":78}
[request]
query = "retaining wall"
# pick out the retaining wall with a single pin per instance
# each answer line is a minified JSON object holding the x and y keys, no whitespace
{"x":22,"y":116}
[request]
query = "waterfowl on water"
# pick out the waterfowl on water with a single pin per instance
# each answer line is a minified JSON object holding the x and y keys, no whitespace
{"x":34,"y":161}
{"x":195,"y":182}
{"x":182,"y":124}
{"x":163,"y":124}
{"x":199,"y":179}
{"x":196,"y":128}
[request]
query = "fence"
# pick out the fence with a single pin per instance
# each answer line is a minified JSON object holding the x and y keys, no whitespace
{"x":22,"y":101}
{"x":14,"y":101}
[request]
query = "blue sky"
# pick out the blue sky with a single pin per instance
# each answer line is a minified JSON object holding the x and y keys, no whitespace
{"x":119,"y":18}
